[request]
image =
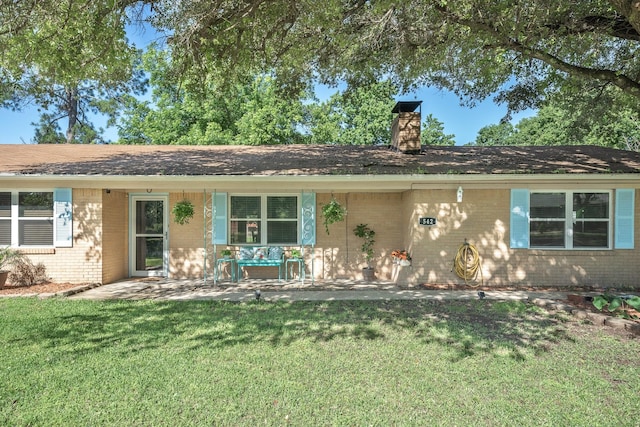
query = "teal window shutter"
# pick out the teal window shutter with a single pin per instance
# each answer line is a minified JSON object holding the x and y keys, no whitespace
{"x":308,"y":220}
{"x":519,"y":229}
{"x":219,"y":218}
{"x":625,"y":204}
{"x":63,"y":217}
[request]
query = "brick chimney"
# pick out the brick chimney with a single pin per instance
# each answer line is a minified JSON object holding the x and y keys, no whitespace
{"x":405,"y":129}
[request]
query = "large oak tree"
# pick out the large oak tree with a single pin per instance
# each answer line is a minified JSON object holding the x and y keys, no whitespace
{"x":523,"y":50}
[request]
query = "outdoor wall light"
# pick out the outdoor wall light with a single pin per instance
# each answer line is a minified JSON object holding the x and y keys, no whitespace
{"x":459,"y":194}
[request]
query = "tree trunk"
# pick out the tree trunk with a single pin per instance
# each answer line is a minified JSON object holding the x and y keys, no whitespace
{"x":71,"y":104}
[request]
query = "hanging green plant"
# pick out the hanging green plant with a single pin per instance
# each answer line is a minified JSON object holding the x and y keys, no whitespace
{"x":182,"y":212}
{"x":332,"y":212}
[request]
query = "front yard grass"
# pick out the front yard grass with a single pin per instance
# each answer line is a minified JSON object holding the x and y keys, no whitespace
{"x":151,"y":363}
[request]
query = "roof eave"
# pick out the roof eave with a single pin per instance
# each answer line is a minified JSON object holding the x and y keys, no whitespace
{"x":336,"y":183}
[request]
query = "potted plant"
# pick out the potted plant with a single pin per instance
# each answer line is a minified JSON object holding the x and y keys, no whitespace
{"x":7,"y":257}
{"x":226,"y":253}
{"x":401,"y":257}
{"x":367,"y":235}
{"x":295,"y":254}
{"x":182,"y":212}
{"x":332,"y":212}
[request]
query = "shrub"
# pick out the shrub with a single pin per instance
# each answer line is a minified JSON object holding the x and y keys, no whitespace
{"x":25,"y":273}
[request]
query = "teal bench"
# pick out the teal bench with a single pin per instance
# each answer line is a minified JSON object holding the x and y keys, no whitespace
{"x":255,"y":257}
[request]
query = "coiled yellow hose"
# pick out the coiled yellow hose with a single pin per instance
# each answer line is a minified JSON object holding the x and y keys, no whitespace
{"x":466,"y":264}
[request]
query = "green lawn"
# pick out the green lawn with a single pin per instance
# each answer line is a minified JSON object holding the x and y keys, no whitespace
{"x":398,"y":363}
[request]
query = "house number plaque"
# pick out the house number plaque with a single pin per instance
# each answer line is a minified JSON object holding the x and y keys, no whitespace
{"x":427,"y":221}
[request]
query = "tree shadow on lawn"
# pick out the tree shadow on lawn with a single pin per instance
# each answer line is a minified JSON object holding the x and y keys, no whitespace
{"x":467,"y":328}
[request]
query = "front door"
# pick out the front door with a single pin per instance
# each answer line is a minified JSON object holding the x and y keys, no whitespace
{"x":148,"y":254}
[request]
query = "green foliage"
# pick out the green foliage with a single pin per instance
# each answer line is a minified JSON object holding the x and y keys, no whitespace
{"x":498,"y":134}
{"x":559,"y":122}
{"x":433,"y":132}
{"x":252,"y":111}
{"x":183,"y":212}
{"x":523,"y":50}
{"x":615,"y":303}
{"x":367,"y":235}
{"x":226,"y":252}
{"x":332,"y":212}
{"x":295,"y":253}
{"x":70,"y":58}
{"x":357,"y":116}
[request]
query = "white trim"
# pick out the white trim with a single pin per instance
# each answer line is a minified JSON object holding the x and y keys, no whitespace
{"x":133,"y":198}
{"x":329,"y":183}
{"x":568,"y":221}
{"x":16,"y":219}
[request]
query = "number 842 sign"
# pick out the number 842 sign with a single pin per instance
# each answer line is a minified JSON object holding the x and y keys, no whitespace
{"x":427,"y":221}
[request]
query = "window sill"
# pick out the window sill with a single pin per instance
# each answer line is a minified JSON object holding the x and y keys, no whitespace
{"x":37,"y":251}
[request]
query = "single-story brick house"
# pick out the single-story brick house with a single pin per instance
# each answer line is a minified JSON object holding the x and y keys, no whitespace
{"x":557,"y":216}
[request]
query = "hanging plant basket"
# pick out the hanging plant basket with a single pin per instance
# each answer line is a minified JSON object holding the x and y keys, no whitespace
{"x":332,"y":212}
{"x":182,"y":212}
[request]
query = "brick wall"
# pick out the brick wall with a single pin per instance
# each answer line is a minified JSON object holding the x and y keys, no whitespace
{"x":100,"y":251}
{"x":338,"y":254}
{"x":115,"y":225}
{"x":81,"y":263}
{"x":483,"y":219}
{"x":186,"y":242}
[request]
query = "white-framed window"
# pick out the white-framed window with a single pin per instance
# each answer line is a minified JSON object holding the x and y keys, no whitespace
{"x":264,"y":219}
{"x":38,"y":218}
{"x":570,"y":220}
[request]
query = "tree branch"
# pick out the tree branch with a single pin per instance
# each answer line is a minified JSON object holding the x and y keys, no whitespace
{"x":612,"y":26}
{"x":623,"y":82}
{"x":630,"y":9}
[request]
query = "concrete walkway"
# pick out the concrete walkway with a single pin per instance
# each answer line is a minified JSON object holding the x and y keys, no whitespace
{"x":272,"y":290}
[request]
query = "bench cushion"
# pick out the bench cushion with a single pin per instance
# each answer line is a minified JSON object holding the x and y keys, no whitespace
{"x":260,"y":253}
{"x":246,"y":252}
{"x":275,"y":252}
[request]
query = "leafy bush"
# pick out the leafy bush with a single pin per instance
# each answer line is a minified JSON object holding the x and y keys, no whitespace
{"x":614,"y":303}
{"x":25,"y":273}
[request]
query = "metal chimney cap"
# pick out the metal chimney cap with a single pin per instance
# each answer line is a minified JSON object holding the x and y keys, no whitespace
{"x":406,"y":106}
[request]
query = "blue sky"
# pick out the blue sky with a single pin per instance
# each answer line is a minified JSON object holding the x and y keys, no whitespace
{"x":463,"y":122}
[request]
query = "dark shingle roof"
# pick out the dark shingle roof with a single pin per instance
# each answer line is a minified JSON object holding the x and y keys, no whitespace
{"x":286,"y":160}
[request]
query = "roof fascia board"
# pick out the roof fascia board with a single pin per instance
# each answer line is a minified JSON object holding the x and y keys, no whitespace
{"x":335,"y":183}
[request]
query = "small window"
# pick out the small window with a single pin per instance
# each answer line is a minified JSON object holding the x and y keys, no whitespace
{"x":35,"y":219}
